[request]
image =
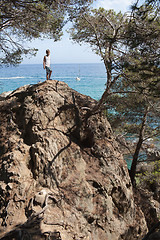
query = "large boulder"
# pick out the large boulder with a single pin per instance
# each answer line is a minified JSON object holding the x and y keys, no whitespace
{"x":61,"y":173}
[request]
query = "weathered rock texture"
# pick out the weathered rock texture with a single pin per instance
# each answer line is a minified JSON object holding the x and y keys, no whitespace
{"x":61,"y":176}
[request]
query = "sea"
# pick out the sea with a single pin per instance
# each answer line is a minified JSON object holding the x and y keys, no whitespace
{"x":92,"y":77}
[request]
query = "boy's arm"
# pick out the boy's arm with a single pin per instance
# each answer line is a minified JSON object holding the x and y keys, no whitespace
{"x":44,"y":62}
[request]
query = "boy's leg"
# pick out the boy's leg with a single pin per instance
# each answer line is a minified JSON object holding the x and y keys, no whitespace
{"x":50,"y":74}
{"x":47,"y":73}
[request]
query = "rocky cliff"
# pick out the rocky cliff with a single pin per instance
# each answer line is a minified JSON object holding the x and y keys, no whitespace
{"x":62,"y":175}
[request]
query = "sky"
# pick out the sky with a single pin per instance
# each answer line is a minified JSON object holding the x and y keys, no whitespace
{"x":65,"y":51}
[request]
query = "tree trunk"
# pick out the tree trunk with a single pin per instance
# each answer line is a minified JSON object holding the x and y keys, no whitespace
{"x":138,"y":147}
{"x":108,"y":65}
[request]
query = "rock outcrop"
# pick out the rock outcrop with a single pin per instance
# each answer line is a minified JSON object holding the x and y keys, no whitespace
{"x":62,"y":175}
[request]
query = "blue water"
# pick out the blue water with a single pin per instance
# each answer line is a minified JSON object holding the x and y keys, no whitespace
{"x":92,"y":77}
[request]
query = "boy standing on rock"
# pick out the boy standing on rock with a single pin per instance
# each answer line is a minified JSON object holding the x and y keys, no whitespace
{"x":46,"y":65}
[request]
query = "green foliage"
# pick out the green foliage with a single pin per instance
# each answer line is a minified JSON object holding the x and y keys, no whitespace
{"x":143,"y":38}
{"x":101,"y":29}
{"x":126,"y":111}
{"x":150,"y":177}
{"x":145,"y":7}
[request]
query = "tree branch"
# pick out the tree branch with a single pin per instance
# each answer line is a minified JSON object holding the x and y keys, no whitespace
{"x":97,"y":39}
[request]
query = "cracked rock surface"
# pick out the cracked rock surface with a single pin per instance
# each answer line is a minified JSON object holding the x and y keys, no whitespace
{"x":61,"y":174}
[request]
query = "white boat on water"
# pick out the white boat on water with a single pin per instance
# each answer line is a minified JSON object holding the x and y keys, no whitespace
{"x":78,"y":77}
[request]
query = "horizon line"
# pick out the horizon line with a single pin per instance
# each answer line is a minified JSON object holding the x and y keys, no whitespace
{"x":64,"y":63}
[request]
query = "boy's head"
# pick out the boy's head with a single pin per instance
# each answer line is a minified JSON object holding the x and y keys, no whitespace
{"x":47,"y":52}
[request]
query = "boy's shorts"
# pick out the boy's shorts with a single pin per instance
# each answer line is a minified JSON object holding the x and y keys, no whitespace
{"x":48,"y":70}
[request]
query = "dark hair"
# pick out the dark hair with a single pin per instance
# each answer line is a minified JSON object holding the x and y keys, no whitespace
{"x":47,"y":51}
